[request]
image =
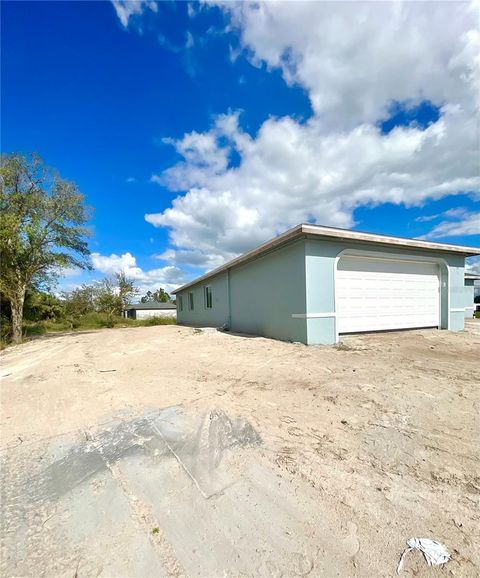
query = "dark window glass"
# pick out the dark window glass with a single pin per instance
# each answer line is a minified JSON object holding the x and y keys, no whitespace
{"x":208,"y":297}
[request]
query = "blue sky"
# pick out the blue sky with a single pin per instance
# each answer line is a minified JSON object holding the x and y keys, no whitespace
{"x":225,"y":125}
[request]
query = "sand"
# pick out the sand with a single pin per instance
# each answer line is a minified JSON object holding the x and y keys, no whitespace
{"x":359,"y":448}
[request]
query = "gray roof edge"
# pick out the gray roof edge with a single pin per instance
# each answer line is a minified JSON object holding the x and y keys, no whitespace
{"x":377,"y":238}
{"x":333,"y":233}
{"x":260,"y":250}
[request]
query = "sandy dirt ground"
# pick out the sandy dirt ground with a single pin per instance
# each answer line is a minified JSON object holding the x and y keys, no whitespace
{"x":168,"y":451}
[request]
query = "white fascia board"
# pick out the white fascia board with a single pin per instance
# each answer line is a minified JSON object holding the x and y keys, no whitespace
{"x":334,"y":233}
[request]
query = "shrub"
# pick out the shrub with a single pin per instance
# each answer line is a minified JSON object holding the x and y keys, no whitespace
{"x":158,"y":321}
{"x":95,"y":320}
{"x":91,"y":320}
{"x":5,"y":330}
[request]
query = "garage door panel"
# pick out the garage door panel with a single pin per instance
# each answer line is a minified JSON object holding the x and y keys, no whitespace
{"x":374,"y":295}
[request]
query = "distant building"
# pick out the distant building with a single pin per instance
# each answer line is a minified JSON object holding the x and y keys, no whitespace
{"x":470,"y":287}
{"x":152,"y":309}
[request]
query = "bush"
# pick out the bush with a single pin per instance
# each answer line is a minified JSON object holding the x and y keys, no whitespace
{"x":5,"y":330}
{"x":158,"y":321}
{"x":109,"y":323}
{"x":78,"y":323}
{"x":95,"y":320}
{"x":46,"y":326}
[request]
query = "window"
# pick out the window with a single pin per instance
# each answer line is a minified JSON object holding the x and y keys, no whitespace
{"x":208,"y":297}
{"x":180,"y":302}
{"x":190,"y":301}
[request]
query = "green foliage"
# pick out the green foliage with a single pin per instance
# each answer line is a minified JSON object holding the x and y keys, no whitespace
{"x":112,"y":296}
{"x":95,"y":320}
{"x":158,"y":296}
{"x":90,"y":321}
{"x":101,"y":300}
{"x":42,"y":222}
{"x":46,"y":326}
{"x":344,"y":347}
{"x":5,"y":329}
{"x":42,"y":229}
{"x":157,"y":321}
{"x":40,"y":305}
{"x":79,"y":301}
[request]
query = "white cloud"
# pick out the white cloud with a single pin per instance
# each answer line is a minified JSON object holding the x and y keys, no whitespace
{"x":194,"y":258}
{"x":292,"y":173}
{"x":67,"y":272}
{"x":113,"y":263}
{"x":127,"y":9}
{"x":189,"y":40}
{"x":454,"y":213}
{"x":354,"y":60}
{"x":472,"y":266}
{"x":427,"y":218}
{"x":192,"y":9}
{"x":468,"y":225}
{"x":167,"y":277}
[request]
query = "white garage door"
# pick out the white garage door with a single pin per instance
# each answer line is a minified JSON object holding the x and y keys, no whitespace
{"x":375,"y":294}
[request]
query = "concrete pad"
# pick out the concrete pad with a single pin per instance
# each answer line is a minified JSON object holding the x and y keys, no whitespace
{"x":91,"y":506}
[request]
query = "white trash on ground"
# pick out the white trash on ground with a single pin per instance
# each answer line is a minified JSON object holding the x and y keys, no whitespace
{"x":434,"y":552}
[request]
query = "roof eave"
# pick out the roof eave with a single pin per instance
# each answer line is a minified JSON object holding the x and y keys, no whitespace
{"x":260,"y":250}
{"x":333,"y":233}
{"x":388,"y":240}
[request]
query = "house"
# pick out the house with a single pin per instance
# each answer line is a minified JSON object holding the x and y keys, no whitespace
{"x":151,"y":309}
{"x":313,"y":283}
{"x":469,"y":294}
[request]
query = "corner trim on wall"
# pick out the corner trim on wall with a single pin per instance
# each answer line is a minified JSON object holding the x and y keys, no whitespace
{"x":313,"y":315}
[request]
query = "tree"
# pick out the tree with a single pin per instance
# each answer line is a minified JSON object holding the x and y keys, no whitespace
{"x":79,"y":301}
{"x":42,"y":229}
{"x":159,"y":296}
{"x":39,"y":305}
{"x":112,"y":296}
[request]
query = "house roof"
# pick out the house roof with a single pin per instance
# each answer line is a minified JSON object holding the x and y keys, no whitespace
{"x":332,"y":233}
{"x":151,"y":305}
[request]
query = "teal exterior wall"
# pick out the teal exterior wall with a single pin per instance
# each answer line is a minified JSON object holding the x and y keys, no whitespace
{"x":320,"y":288}
{"x":217,"y":316}
{"x":266,"y":292}
{"x":262,"y":294}
{"x":289,"y":292}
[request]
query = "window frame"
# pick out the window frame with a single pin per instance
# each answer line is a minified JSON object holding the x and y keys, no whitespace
{"x":191,"y":302}
{"x":180,"y":302}
{"x":208,"y":296}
